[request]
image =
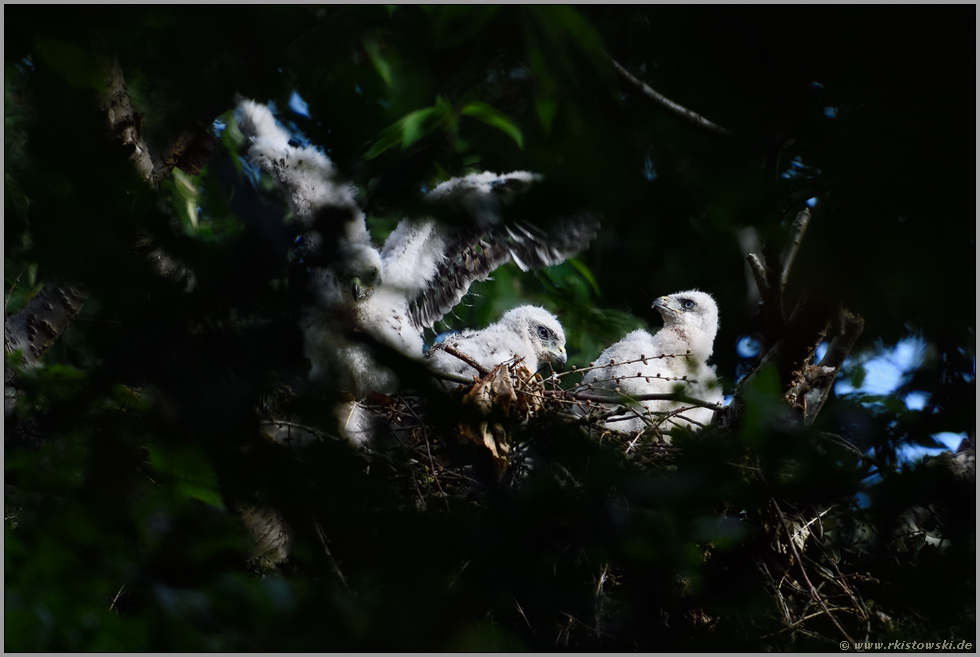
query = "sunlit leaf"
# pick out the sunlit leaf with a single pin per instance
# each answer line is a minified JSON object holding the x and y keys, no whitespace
{"x":484,"y":112}
{"x":409,"y":129}
{"x":418,"y":124}
{"x":414,"y":126}
{"x":187,"y":191}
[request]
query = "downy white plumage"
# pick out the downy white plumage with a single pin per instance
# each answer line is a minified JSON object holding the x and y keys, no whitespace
{"x":674,"y":358}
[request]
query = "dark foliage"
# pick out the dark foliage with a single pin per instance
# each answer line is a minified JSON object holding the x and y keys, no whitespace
{"x":136,"y":442}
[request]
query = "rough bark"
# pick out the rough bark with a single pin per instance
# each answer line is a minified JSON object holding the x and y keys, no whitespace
{"x":35,"y":328}
{"x":125,"y":124}
{"x":39,"y":324}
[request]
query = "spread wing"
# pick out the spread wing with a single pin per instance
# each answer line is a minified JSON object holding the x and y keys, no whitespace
{"x":474,"y":234}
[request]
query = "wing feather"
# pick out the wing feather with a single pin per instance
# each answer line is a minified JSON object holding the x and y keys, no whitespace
{"x":472,"y":248}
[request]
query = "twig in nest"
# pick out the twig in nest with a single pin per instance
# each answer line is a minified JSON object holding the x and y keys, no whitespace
{"x":435,"y":477}
{"x":642,"y":359}
{"x":813,"y":591}
{"x":417,"y":488}
{"x":517,"y":604}
{"x":466,"y":358}
{"x":783,"y":607}
{"x":653,"y":396}
{"x":455,"y":378}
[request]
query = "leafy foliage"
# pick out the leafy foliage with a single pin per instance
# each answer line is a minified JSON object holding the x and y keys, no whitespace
{"x":136,"y":443}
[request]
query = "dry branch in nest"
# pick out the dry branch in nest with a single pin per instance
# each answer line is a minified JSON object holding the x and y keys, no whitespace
{"x":488,"y":416}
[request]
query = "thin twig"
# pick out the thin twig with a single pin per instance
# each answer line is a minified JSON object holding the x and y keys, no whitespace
{"x":435,"y":477}
{"x":118,"y":593}
{"x":295,"y":425}
{"x":417,"y":488}
{"x":16,"y":280}
{"x":653,"y":396}
{"x":612,"y":363}
{"x":813,"y":591}
{"x":669,"y":105}
{"x":815,"y":519}
{"x":759,"y":272}
{"x":618,"y":378}
{"x":796,"y":625}
{"x":466,"y":358}
{"x":323,"y":540}
{"x":842,"y":442}
{"x":783,"y":607}
{"x":796,"y":233}
{"x":455,"y":378}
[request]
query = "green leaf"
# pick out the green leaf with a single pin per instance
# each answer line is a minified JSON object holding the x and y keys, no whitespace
{"x":232,"y":137}
{"x":187,"y":190}
{"x":416,"y":125}
{"x":493,"y":117}
{"x":586,"y":273}
{"x":413,"y":126}
{"x":447,"y":116}
{"x":190,"y":470}
{"x":381,"y":65}
{"x":546,"y":108}
{"x":858,"y":374}
{"x":566,"y":23}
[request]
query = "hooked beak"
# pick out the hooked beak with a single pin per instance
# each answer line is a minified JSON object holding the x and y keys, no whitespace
{"x":663,"y":304}
{"x":355,"y":288}
{"x":558,"y":357}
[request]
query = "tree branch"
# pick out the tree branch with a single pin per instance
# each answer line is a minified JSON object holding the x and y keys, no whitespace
{"x":653,"y":396}
{"x":677,"y":110}
{"x":125,"y":125}
{"x":35,"y":328}
{"x":469,"y":360}
{"x":39,"y":324}
{"x":852,"y":325}
{"x":787,"y":203}
{"x":771,"y":279}
{"x":759,"y":272}
{"x":797,"y":230}
{"x":799,"y":562}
